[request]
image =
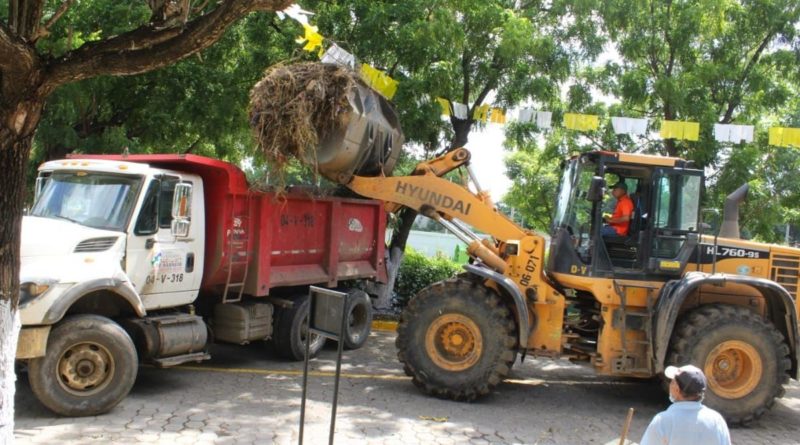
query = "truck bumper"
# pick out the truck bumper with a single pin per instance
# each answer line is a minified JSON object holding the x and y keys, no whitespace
{"x":32,"y":342}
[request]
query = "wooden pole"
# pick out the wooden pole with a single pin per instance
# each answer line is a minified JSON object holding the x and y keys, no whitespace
{"x":626,"y":427}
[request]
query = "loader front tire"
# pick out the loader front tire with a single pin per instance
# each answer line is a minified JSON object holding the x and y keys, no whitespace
{"x":456,"y":339}
{"x":90,"y":366}
{"x":745,"y":359}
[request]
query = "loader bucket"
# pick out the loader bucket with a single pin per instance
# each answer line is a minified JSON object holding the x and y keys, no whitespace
{"x":369,"y":142}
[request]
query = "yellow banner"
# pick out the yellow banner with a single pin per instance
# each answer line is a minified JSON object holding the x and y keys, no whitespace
{"x":481,"y":113}
{"x":784,"y":137}
{"x":498,"y":116}
{"x":445,"y":104}
{"x":581,"y":122}
{"x":680,"y":130}
{"x":379,"y":81}
{"x":312,"y":38}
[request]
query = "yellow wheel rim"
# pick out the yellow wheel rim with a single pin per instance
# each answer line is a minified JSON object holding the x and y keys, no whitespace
{"x":733,"y":369}
{"x":454,"y":342}
{"x":85,"y":368}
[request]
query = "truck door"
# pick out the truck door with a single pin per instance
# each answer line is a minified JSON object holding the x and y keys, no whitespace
{"x":674,"y":219}
{"x":163,"y":268}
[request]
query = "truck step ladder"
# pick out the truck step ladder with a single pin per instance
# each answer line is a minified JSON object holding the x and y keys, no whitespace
{"x":238,"y":251}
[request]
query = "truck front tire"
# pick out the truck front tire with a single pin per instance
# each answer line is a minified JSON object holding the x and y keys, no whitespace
{"x":745,"y":359}
{"x":456,"y":340}
{"x":90,"y":366}
{"x":291,"y":327}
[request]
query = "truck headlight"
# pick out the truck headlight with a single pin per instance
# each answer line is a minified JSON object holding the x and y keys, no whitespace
{"x":29,"y":290}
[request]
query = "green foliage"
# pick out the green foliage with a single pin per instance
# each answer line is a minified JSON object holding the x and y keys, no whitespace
{"x":709,"y":61}
{"x":419,"y":271}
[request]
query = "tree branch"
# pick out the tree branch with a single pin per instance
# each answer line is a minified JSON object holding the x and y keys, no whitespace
{"x":737,"y":90}
{"x":45,"y":30}
{"x":145,"y":49}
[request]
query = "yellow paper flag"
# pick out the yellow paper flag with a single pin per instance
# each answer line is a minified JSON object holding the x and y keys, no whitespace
{"x":784,"y":137}
{"x":312,"y":38}
{"x":445,"y":104}
{"x":379,"y":81}
{"x":691,"y":131}
{"x":680,"y":130}
{"x":481,"y":113}
{"x":498,"y":116}
{"x":581,"y":122}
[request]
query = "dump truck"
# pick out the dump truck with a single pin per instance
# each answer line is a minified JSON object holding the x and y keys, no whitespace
{"x":669,"y":292}
{"x":148,"y":258}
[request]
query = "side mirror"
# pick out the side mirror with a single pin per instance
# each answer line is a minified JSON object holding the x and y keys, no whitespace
{"x":181,"y":210}
{"x":595,"y":192}
{"x":37,"y":191}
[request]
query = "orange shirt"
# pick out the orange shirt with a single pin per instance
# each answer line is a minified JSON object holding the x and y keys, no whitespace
{"x":624,"y":208}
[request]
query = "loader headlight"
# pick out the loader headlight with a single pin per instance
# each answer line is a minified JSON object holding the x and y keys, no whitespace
{"x":29,"y":290}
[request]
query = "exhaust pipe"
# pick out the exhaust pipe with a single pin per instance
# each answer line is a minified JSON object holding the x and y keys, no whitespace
{"x":730,"y":215}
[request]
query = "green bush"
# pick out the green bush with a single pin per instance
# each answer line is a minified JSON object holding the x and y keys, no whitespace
{"x":418,"y":271}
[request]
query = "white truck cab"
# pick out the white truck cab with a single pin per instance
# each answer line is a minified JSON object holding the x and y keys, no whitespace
{"x":107,"y":239}
{"x":108,"y":225}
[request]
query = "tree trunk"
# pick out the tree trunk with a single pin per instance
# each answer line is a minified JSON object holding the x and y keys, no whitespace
{"x":15,"y":147}
{"x":397,"y":248}
{"x":461,"y":129}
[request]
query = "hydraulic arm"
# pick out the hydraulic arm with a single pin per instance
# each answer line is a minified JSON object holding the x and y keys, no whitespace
{"x":515,"y":259}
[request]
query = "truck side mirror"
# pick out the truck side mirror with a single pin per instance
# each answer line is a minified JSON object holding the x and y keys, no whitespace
{"x":181,"y":209}
{"x":595,"y":192}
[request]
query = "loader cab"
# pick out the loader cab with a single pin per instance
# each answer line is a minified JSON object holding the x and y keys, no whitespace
{"x":663,"y":228}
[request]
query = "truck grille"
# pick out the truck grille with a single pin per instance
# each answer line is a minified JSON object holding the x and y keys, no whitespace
{"x":786,"y":272}
{"x":95,"y":244}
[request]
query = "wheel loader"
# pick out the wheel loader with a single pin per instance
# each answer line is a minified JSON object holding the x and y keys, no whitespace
{"x":670,"y":291}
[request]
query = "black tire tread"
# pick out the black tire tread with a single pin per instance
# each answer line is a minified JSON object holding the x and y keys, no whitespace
{"x":695,"y":324}
{"x":47,"y":390}
{"x":459,"y":287}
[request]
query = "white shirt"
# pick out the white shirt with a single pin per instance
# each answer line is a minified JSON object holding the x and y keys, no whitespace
{"x":689,"y":423}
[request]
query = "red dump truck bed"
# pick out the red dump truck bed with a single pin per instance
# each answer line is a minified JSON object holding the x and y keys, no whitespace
{"x":271,"y":241}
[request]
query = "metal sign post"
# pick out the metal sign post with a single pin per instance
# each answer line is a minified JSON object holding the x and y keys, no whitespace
{"x":326,"y":317}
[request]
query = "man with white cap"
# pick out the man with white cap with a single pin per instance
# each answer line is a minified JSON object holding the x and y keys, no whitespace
{"x":686,"y":421}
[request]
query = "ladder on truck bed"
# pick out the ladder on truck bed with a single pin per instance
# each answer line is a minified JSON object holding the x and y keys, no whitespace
{"x":238,"y":249}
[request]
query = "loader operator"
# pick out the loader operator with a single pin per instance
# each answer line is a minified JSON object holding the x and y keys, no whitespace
{"x":618,"y":223}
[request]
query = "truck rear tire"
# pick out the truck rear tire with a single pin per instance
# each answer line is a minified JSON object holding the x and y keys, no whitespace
{"x":745,"y":359}
{"x":456,"y":339}
{"x":289,"y":336}
{"x":90,"y":366}
{"x":359,"y":319}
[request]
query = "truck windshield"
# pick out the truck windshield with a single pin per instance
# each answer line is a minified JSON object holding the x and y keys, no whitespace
{"x":99,"y":200}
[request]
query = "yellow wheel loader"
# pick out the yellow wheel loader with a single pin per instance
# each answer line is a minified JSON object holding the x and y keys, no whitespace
{"x":666,"y":292}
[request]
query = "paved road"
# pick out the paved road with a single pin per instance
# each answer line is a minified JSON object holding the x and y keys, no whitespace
{"x":244,"y":395}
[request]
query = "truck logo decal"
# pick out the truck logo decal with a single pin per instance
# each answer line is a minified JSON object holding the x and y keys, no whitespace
{"x":433,"y":198}
{"x":354,"y":225}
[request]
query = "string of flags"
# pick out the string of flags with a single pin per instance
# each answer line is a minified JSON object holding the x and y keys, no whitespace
{"x":690,"y":131}
{"x":312,"y":41}
{"x":384,"y":84}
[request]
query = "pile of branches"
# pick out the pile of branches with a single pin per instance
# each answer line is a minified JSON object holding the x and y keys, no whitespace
{"x":294,"y":107}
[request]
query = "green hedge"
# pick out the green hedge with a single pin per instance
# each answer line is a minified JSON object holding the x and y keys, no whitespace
{"x":418,"y":271}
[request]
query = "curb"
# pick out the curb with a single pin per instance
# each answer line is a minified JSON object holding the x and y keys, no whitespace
{"x":384,"y":325}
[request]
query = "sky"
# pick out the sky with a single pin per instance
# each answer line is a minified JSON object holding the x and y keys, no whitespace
{"x":488,"y":156}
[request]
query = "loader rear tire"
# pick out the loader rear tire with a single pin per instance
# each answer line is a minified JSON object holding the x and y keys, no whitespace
{"x":90,"y":366}
{"x":745,"y":359}
{"x":456,"y":339}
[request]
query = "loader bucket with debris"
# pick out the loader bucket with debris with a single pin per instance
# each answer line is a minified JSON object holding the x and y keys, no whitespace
{"x":326,"y":117}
